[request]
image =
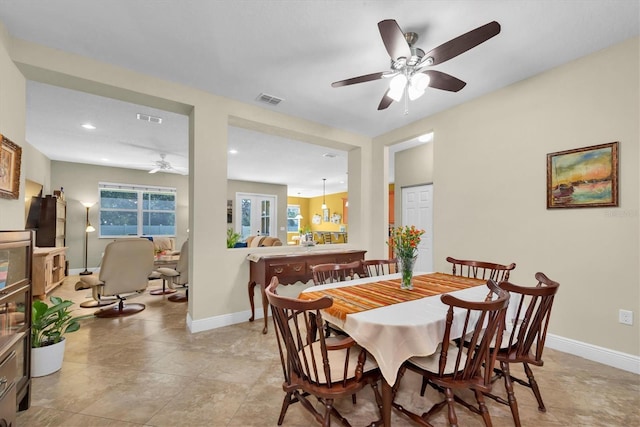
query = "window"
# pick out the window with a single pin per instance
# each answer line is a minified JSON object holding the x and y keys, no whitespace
{"x":132,"y":210}
{"x":293,"y":223}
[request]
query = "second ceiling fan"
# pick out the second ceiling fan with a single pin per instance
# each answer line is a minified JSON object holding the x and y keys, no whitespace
{"x":409,"y":75}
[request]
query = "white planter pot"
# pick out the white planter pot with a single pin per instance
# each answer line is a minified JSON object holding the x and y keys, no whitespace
{"x":47,"y":360}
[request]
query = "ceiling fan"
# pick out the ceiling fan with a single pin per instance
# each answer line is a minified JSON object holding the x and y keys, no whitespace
{"x":164,"y":166}
{"x":409,"y":75}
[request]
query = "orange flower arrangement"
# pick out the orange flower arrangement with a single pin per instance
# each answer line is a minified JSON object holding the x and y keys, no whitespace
{"x":405,"y":241}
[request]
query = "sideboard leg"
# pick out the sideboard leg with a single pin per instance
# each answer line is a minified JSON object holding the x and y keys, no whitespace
{"x":265,"y":307}
{"x":251,"y":286}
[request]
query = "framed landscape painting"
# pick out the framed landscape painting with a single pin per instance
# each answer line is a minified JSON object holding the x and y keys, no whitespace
{"x":10,"y":160}
{"x":583,"y":177}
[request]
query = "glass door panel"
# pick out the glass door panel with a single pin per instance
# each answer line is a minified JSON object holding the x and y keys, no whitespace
{"x":256,"y":215}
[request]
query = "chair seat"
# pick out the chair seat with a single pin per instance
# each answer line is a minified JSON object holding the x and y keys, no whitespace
{"x":336,"y":360}
{"x":432,"y":363}
{"x":504,"y":343}
{"x":169,"y":272}
{"x":88,"y":282}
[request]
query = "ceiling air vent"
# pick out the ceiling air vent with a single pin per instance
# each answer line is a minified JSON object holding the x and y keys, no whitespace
{"x":269,"y":99}
{"x":150,"y":119}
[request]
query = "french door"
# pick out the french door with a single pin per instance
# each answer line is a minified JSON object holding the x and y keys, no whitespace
{"x":255,"y":214}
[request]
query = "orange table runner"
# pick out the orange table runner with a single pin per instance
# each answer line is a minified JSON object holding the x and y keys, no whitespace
{"x":357,"y":298}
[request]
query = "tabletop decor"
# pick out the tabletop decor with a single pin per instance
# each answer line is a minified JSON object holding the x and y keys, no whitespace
{"x":404,"y":242}
{"x":583,"y":177}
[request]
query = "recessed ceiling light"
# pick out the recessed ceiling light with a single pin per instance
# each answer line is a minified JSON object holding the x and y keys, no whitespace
{"x":88,"y":126}
{"x":330,"y":155}
{"x":104,"y":160}
{"x":232,"y":151}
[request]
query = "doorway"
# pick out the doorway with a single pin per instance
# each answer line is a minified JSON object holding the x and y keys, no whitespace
{"x":417,"y":209}
{"x":256,"y":215}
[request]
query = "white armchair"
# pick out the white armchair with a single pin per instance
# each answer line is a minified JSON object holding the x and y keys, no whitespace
{"x":178,"y":276}
{"x":126,"y":266}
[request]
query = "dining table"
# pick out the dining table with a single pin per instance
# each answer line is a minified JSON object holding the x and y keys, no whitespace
{"x":394,"y":324}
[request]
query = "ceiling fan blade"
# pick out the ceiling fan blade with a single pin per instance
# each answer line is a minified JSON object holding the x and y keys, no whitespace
{"x":461,"y":44}
{"x":385,"y":101}
{"x":393,"y":39}
{"x":154,"y":170}
{"x":444,"y":81}
{"x":359,"y":79}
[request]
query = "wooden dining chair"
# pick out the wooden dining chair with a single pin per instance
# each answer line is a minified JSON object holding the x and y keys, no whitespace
{"x":313,"y":365}
{"x":380,"y":267}
{"x":455,"y":367}
{"x":481,"y":269}
{"x":527,"y":334}
{"x":330,"y":273}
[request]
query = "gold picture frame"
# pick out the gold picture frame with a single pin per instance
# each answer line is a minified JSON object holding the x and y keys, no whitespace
{"x":583,"y":177}
{"x":10,"y":161}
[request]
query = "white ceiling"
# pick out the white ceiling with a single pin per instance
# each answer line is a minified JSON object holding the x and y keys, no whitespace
{"x":293,"y":50}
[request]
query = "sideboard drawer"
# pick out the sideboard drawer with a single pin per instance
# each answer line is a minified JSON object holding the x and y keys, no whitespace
{"x":293,"y":269}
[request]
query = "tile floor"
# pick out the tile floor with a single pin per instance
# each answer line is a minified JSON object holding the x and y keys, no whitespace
{"x":148,"y":370}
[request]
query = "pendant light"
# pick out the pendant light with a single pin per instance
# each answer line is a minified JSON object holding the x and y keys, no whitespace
{"x":324,"y":187}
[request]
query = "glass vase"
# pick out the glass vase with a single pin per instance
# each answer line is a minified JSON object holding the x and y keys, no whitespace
{"x":406,"y":268}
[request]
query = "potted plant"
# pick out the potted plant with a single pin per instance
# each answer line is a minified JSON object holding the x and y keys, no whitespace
{"x":49,"y":324}
{"x":232,"y":238}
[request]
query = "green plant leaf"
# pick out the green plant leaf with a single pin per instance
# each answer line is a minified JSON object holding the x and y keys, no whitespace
{"x":50,"y":323}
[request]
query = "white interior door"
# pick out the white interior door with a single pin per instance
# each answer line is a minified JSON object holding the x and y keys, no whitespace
{"x":256,"y":215}
{"x":417,"y":209}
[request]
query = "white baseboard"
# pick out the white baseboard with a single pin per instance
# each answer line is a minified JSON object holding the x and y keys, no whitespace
{"x":220,"y":321}
{"x":617,"y":359}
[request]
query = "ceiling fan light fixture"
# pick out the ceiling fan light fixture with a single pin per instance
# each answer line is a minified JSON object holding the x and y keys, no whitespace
{"x":414,"y":93}
{"x":420,"y":81}
{"x":417,"y":85}
{"x":396,"y":87}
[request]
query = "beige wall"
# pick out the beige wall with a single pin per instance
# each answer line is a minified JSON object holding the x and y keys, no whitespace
{"x":36,"y":167}
{"x":80,"y":182}
{"x":12,"y":126}
{"x":490,"y":200}
{"x":218,"y":299}
{"x":489,"y":180}
{"x":412,"y":167}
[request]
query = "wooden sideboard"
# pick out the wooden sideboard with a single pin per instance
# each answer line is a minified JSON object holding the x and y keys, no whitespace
{"x":290,"y":268}
{"x":48,"y":270}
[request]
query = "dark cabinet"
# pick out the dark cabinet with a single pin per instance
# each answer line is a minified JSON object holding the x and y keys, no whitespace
{"x":16,"y":249}
{"x":52,"y":222}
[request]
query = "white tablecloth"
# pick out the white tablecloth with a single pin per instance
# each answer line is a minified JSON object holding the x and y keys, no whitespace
{"x":394,"y":333}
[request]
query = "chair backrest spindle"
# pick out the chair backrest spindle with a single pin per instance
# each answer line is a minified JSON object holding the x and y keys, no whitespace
{"x":481,"y":269}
